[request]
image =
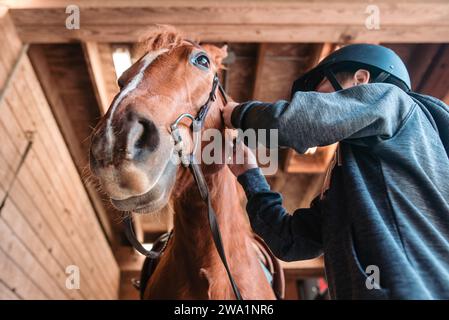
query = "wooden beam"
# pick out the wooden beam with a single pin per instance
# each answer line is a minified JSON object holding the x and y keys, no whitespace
{"x":304,"y":268}
{"x":128,"y":259}
{"x":260,"y":62}
{"x":236,"y":21}
{"x":250,"y":12}
{"x":97,"y":75}
{"x":433,"y":81}
{"x":316,"y":162}
{"x":240,"y":33}
{"x":137,"y":225}
{"x":326,"y":49}
{"x":420,"y":59}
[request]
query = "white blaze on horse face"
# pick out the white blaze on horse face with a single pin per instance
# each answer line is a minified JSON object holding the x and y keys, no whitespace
{"x":132,"y":85}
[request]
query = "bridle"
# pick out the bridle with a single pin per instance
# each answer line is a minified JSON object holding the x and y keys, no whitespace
{"x":190,"y":162}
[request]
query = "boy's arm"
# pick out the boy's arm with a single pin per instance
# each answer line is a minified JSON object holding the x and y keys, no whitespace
{"x":315,"y":119}
{"x":290,"y":237}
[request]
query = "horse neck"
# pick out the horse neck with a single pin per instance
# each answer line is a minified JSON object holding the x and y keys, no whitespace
{"x":191,"y":224}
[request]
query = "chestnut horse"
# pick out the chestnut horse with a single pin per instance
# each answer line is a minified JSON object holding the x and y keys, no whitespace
{"x":130,"y":153}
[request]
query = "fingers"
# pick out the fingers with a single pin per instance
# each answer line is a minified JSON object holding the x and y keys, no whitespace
{"x":227,"y":113}
{"x":242,"y":160}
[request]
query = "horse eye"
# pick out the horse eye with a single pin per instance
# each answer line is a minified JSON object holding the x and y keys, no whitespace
{"x":202,"y":60}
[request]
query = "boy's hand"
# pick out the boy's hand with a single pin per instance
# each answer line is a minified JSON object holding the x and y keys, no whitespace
{"x":227,"y":112}
{"x":242,"y":160}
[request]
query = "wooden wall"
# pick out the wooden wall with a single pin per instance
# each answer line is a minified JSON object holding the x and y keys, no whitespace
{"x":46,"y":219}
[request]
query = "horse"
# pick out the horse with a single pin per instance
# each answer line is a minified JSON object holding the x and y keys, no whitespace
{"x":130,"y":154}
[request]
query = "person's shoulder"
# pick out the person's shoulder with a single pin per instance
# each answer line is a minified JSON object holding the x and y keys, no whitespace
{"x":380,"y":87}
{"x":384,"y":91}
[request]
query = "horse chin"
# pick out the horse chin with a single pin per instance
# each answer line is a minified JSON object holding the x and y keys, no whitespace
{"x":154,"y":199}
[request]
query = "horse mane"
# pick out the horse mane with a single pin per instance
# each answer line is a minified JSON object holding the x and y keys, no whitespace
{"x":161,"y":37}
{"x":168,"y":37}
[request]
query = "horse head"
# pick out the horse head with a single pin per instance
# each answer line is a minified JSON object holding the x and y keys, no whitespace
{"x":131,"y":148}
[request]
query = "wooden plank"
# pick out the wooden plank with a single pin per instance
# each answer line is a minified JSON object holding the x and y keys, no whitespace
{"x":248,"y":21}
{"x":64,"y":167}
{"x":71,"y":138}
{"x":241,"y":75}
{"x":27,"y":123}
{"x":30,"y":238}
{"x":69,"y":177}
{"x":320,"y":12}
{"x":18,"y":102}
{"x":3,"y":75}
{"x":26,"y":261}
{"x":128,"y":259}
{"x":51,"y":235}
{"x":11,"y":166}
{"x":17,"y":280}
{"x":433,"y":81}
{"x":291,"y":288}
{"x":97,"y":75}
{"x":420,"y":60}
{"x":11,"y":149}
{"x":260,"y":63}
{"x":6,"y":293}
{"x":105,"y":51}
{"x":316,"y":264}
{"x":41,"y":67}
{"x":138,"y":229}
{"x":60,"y":215}
{"x":237,"y":33}
{"x":11,"y":51}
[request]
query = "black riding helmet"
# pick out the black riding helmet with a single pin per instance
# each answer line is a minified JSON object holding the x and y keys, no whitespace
{"x":383,"y":63}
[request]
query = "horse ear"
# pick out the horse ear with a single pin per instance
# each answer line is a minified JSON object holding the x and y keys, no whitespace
{"x":217,"y":54}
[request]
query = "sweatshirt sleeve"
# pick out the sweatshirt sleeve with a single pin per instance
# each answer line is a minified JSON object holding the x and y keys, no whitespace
{"x":291,"y":237}
{"x":316,"y":119}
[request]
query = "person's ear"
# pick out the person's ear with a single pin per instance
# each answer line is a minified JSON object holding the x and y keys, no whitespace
{"x":361,"y":76}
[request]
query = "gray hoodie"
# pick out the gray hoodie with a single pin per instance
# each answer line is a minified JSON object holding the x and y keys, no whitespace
{"x":387,"y":208}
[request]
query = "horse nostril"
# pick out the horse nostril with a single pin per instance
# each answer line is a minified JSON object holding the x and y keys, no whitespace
{"x":143,"y":138}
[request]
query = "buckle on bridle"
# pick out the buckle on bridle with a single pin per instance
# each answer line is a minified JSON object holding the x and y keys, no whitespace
{"x":197,"y":124}
{"x":186,"y":159}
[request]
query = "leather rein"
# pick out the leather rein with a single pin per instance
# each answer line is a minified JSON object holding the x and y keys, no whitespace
{"x":195,"y":168}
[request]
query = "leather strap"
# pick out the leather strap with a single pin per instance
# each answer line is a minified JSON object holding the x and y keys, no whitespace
{"x":131,"y":236}
{"x":213,"y":223}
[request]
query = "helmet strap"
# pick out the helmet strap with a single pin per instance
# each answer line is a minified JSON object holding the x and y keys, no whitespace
{"x":332,"y":79}
{"x":382,"y":77}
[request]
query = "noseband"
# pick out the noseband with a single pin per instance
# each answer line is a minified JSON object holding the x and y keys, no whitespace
{"x":190,"y":161}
